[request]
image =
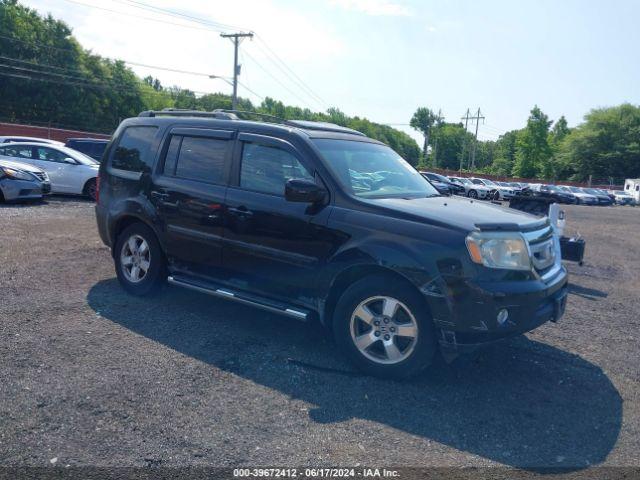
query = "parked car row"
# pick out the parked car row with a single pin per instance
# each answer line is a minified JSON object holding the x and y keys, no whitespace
{"x":32,"y":167}
{"x":485,"y":189}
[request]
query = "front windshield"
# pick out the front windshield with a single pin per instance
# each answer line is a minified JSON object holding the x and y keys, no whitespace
{"x":553,"y":188}
{"x":372,"y":170}
{"x":575,"y":190}
{"x":464,"y":181}
{"x":592,"y":191}
{"x":79,"y":156}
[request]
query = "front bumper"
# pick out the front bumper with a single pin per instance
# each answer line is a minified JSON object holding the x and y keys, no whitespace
{"x":20,"y":189}
{"x":467,"y":315}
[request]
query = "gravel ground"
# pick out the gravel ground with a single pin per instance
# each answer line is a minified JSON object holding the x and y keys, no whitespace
{"x":91,"y":376}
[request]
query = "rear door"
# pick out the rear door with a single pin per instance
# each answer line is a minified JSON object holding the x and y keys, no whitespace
{"x":189,"y":194}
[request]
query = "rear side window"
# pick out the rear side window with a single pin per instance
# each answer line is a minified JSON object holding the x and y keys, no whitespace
{"x":266,"y":169}
{"x":196,"y":158}
{"x":132,"y":153}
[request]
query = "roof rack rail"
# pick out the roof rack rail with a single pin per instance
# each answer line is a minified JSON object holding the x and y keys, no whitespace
{"x":225,"y":114}
{"x":179,"y":112}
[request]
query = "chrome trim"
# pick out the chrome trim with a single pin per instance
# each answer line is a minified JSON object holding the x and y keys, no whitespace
{"x":221,"y":293}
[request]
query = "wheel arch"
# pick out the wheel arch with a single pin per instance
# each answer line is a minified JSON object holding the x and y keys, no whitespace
{"x":354,"y":273}
{"x":125,"y":221}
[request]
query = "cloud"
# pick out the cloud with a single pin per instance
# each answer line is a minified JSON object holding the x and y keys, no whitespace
{"x":373,"y":7}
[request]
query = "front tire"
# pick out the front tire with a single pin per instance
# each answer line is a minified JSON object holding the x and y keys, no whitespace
{"x":472,"y":194}
{"x":383,"y":327}
{"x":139,"y":260}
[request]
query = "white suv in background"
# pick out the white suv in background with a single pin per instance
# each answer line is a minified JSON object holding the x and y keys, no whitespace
{"x":69,"y":170}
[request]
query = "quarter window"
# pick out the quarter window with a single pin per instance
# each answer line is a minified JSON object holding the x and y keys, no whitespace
{"x":267,"y":169}
{"x":132,"y":153}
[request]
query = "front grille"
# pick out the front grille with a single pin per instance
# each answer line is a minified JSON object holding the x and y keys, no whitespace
{"x":543,"y":250}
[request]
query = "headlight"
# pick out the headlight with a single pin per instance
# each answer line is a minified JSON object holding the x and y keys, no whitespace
{"x":499,"y":250}
{"x":16,"y":174}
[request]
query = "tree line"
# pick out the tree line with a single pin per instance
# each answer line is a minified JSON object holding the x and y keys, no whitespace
{"x":46,"y":76}
{"x":605,"y":145}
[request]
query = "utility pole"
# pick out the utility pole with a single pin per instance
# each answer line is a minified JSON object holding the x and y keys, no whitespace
{"x":435,"y":146}
{"x":236,"y":68}
{"x":475,"y":145}
{"x":466,"y":122}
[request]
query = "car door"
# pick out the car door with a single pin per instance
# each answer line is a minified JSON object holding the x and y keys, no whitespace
{"x":189,"y":194}
{"x":64,"y":176}
{"x":273,"y":247}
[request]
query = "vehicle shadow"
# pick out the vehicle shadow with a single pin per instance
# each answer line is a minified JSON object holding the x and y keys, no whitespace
{"x":586,"y":292}
{"x":521,"y":403}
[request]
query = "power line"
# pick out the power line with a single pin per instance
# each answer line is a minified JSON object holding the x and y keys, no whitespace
{"x":137,"y":16}
{"x":213,"y":24}
{"x":291,"y":74}
{"x":219,"y":27}
{"x":258,"y":64}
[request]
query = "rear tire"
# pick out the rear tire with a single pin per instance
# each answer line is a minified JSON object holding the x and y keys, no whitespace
{"x":397,"y":338}
{"x":139,"y":261}
{"x":90,"y":189}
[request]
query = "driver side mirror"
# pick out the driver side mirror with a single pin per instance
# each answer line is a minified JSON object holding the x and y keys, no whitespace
{"x":304,"y":191}
{"x":69,"y":160}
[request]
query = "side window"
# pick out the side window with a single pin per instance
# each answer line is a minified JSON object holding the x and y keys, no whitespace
{"x":132,"y":151}
{"x":49,"y":154}
{"x":267,"y":169}
{"x":18,"y":152}
{"x":196,"y":158}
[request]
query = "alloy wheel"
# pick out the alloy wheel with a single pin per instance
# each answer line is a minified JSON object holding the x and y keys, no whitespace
{"x":135,"y":258}
{"x":384,"y":330}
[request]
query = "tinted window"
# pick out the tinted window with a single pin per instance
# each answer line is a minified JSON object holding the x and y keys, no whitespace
{"x":198,"y":158}
{"x":132,"y":152}
{"x":267,"y":169}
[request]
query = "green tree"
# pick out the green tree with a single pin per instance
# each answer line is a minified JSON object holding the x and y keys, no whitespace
{"x":607,"y":144}
{"x":451,"y":139}
{"x":423,"y":120}
{"x":532,"y":145}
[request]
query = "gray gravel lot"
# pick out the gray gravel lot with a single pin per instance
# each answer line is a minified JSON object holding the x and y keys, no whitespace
{"x":91,"y":376}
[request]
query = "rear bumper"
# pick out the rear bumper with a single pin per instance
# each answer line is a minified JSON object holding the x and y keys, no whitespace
{"x":468,"y":315}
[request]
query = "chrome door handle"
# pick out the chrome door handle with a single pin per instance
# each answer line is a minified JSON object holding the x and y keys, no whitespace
{"x":242,"y":211}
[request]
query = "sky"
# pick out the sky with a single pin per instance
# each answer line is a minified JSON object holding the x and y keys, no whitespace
{"x":381,"y":59}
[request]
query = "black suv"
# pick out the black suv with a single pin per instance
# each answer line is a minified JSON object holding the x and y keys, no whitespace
{"x":318,"y":222}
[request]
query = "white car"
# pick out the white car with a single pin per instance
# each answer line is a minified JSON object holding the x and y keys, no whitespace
{"x":499,"y":192}
{"x":622,"y":197}
{"x":472,"y":190}
{"x":19,"y":139}
{"x":69,"y":170}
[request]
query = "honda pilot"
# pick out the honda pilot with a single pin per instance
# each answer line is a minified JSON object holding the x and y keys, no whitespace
{"x":318,"y":222}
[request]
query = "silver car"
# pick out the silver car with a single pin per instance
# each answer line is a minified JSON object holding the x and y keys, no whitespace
{"x":20,"y":181}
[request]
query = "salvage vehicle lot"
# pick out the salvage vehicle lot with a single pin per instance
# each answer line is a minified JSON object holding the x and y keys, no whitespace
{"x":92,"y":376}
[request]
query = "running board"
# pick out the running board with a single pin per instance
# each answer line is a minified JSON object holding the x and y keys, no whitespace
{"x":240,"y":297}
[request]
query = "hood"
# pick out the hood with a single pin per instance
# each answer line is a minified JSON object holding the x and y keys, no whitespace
{"x":464,"y":214}
{"x":20,"y":166}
